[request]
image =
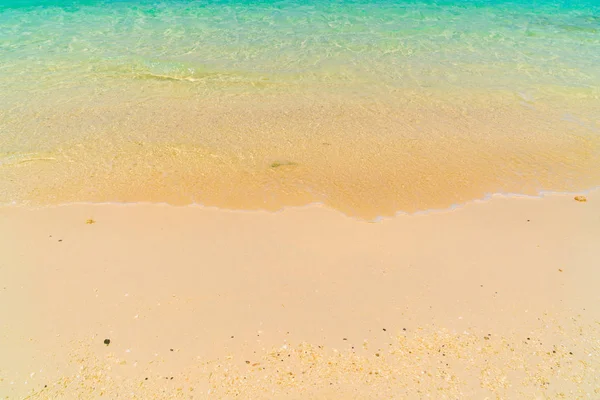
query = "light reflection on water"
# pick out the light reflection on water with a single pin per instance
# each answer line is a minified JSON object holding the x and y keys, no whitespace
{"x":370,"y":107}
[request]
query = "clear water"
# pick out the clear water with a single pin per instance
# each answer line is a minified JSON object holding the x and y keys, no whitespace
{"x":371,"y":107}
{"x":519,"y":45}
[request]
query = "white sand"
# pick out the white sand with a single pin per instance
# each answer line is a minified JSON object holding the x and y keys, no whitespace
{"x":498,"y":299}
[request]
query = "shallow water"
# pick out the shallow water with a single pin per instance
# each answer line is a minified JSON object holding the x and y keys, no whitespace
{"x":369,"y":107}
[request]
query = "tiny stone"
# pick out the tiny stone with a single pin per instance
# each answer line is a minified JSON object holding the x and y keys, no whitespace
{"x":171,"y":349}
{"x":581,"y":199}
{"x":107,"y":341}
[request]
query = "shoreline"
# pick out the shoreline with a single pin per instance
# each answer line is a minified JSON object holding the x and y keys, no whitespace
{"x":542,"y":194}
{"x":365,"y":157}
{"x":402,"y":307}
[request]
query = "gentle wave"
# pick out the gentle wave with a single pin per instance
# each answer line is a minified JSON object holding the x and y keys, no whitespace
{"x":368,"y":107}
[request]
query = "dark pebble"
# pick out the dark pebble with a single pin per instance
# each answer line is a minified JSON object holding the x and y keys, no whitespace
{"x":107,"y":341}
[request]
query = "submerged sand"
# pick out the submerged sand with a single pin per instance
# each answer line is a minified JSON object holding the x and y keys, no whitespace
{"x":365,"y":154}
{"x":497,"y":299}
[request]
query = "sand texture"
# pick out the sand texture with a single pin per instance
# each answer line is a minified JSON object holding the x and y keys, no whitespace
{"x":497,"y":299}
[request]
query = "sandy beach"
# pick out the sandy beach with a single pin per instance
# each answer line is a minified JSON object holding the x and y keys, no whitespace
{"x":496,"y":299}
{"x":299,"y":199}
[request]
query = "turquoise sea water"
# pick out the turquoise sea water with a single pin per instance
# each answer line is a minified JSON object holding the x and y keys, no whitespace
{"x":255,"y":82}
{"x":520,"y":45}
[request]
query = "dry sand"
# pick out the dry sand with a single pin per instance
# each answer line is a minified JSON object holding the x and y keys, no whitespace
{"x":497,"y":299}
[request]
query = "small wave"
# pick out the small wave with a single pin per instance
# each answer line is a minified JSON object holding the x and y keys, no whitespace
{"x":157,"y":77}
{"x":15,"y":159}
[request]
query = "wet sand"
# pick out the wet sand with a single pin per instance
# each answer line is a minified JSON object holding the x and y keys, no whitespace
{"x":364,"y":155}
{"x":496,"y":299}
